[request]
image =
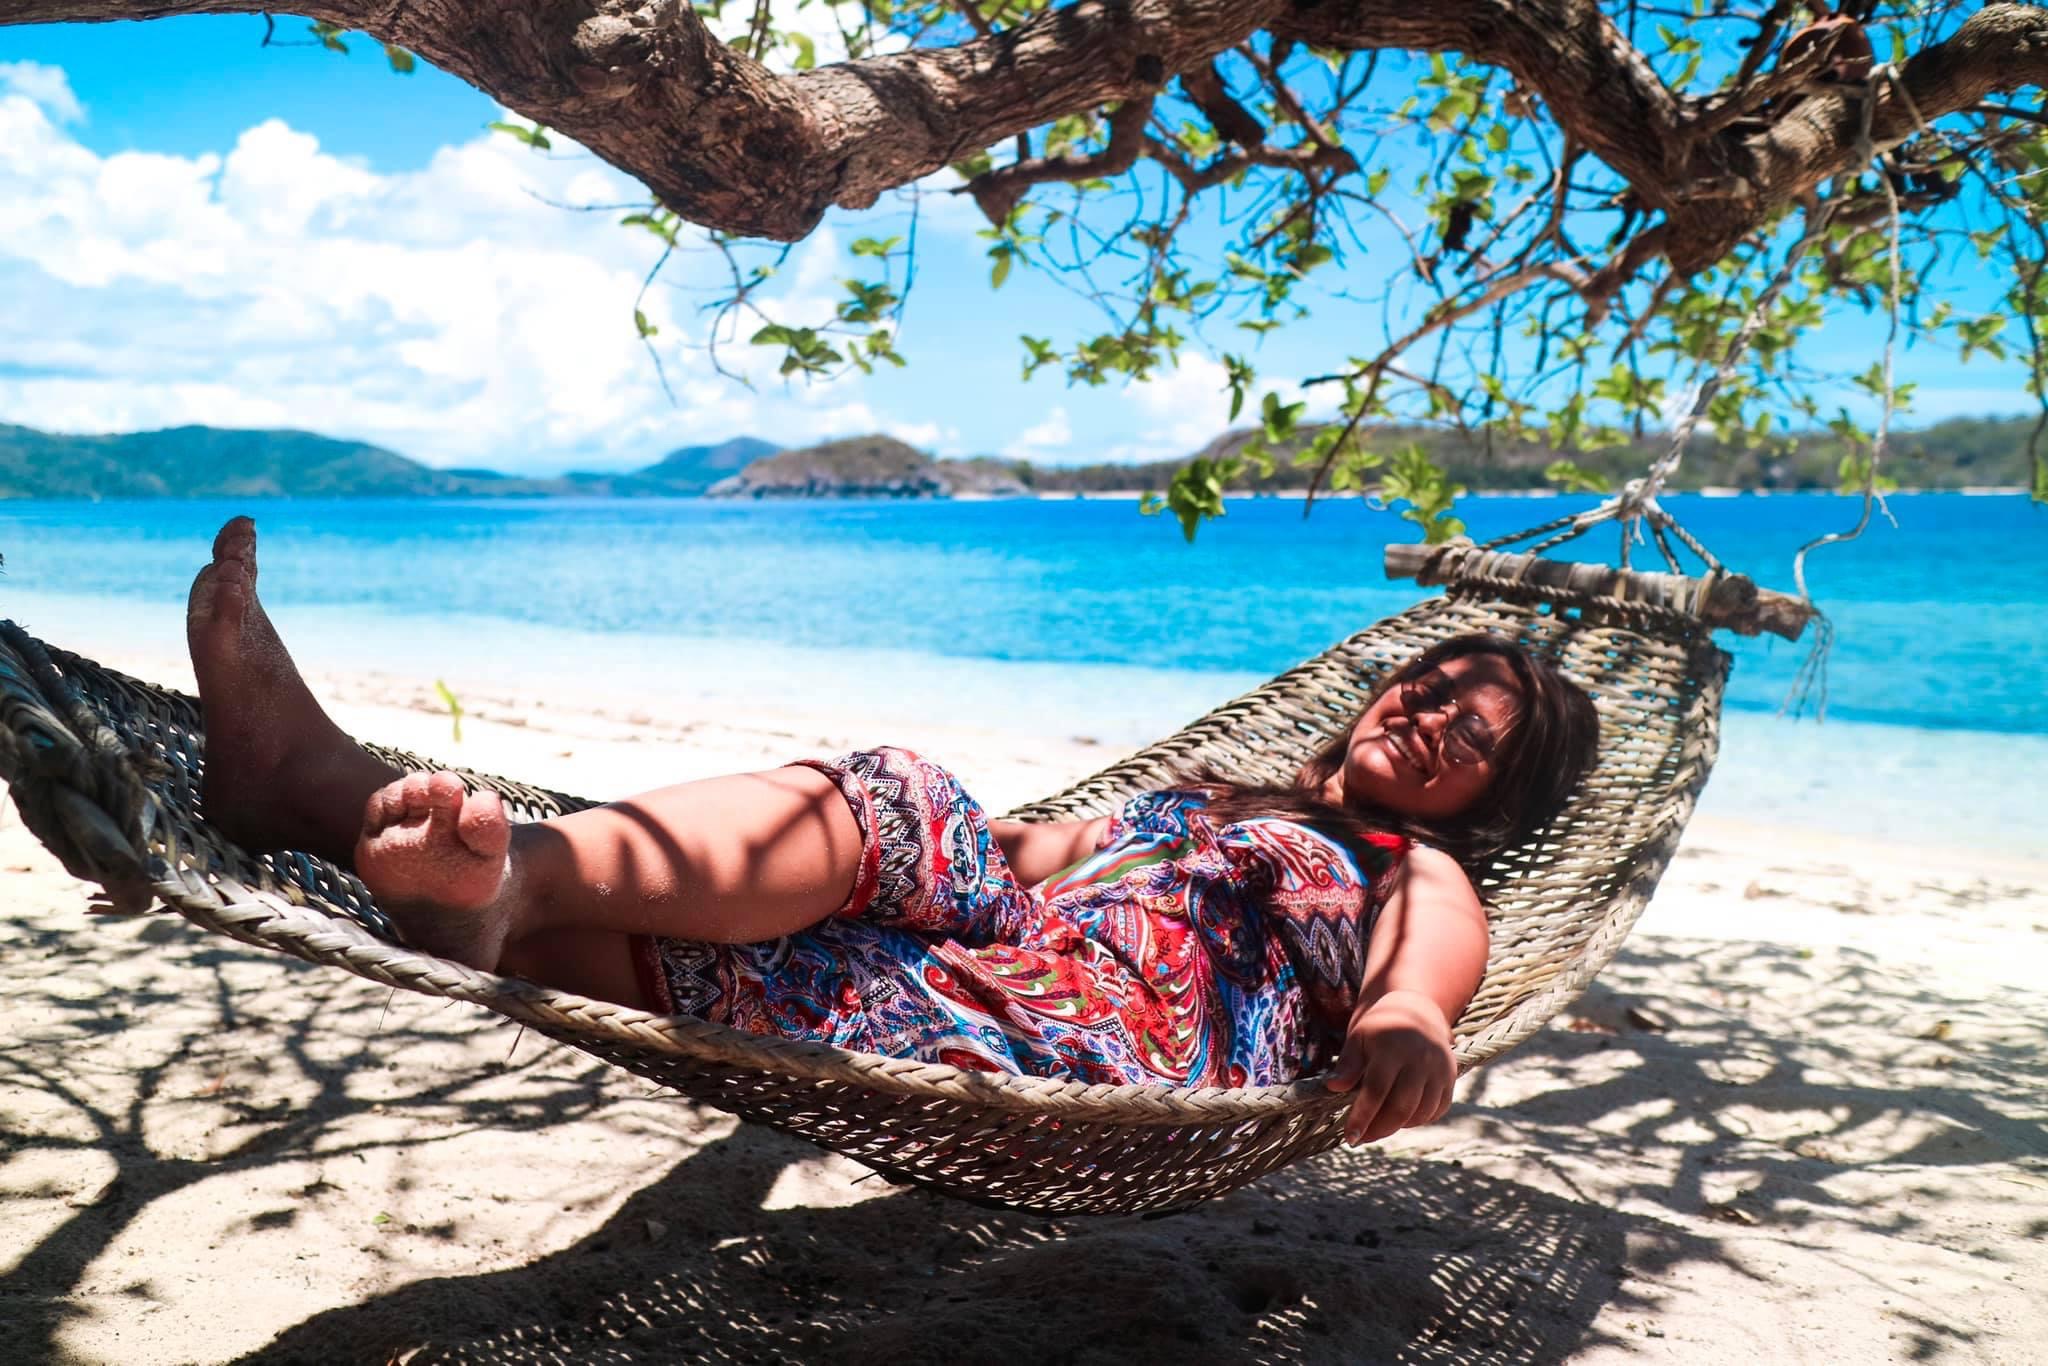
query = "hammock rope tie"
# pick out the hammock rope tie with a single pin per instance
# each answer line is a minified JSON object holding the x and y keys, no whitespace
{"x":87,"y":800}
{"x":1560,"y":905}
{"x":1810,"y":680}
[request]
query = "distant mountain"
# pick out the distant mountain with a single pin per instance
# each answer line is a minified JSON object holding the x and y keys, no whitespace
{"x":1958,"y":453}
{"x":868,"y":467}
{"x":198,"y":462}
{"x":212,"y":462}
{"x":693,"y":469}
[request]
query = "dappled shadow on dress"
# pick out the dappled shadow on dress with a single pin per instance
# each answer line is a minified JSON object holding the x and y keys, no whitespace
{"x":1346,"y":1258}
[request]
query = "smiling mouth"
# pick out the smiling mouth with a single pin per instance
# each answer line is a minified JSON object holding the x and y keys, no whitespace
{"x":1411,"y":751}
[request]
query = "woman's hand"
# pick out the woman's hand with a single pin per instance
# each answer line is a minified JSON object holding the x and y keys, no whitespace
{"x":1397,"y":1055}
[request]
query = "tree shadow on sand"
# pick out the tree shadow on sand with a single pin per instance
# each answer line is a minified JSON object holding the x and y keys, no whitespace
{"x":1776,"y":1067}
{"x":1774,"y":1089}
{"x":1351,"y":1257}
{"x":122,"y":1086}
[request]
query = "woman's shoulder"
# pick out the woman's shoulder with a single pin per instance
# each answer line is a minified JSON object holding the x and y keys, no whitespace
{"x":1430,"y":872}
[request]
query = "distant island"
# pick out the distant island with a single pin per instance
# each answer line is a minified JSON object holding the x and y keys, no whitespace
{"x":208,"y":462}
{"x":212,"y":462}
{"x":870,"y":467}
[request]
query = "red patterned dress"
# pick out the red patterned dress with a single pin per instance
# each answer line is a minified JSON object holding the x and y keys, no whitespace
{"x":1177,"y":953}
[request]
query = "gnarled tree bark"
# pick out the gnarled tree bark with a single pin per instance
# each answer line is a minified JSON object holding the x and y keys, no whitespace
{"x":730,"y":145}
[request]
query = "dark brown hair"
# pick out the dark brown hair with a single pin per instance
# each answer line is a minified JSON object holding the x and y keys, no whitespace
{"x":1538,"y":765}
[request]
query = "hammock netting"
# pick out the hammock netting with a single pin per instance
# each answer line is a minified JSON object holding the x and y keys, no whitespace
{"x":106,"y":770}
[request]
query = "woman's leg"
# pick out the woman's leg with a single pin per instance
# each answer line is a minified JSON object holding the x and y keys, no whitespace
{"x":730,"y":860}
{"x":279,"y":773}
{"x":733,"y":859}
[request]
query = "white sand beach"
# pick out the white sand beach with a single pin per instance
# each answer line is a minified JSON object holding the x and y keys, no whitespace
{"x":1803,"y":1118}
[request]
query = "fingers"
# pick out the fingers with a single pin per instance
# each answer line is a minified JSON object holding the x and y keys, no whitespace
{"x":1387,"y":1104}
{"x":1391,"y":1113}
{"x":1350,"y":1064}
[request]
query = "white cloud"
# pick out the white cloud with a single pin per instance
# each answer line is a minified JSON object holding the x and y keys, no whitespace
{"x":1046,"y":439}
{"x":1189,"y":405}
{"x":819,"y":23}
{"x":47,"y":86}
{"x":456,"y":314}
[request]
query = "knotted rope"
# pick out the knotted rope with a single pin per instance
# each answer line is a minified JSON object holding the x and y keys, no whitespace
{"x":79,"y":785}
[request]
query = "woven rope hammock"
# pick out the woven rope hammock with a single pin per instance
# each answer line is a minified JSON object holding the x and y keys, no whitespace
{"x":106,"y":771}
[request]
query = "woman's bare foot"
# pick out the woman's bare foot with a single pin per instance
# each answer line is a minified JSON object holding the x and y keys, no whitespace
{"x":437,"y":860}
{"x":279,"y":773}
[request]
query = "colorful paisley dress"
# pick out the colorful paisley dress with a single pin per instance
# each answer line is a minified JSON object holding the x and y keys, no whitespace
{"x":1177,"y":953}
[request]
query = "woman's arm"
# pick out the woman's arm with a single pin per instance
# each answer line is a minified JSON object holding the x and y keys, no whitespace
{"x":1038,"y":849}
{"x":1427,"y":956}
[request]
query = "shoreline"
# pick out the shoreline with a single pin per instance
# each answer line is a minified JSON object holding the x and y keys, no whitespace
{"x":1867,"y":789}
{"x":1035,"y":496}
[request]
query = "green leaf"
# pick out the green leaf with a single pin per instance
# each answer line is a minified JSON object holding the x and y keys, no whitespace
{"x":774,"y":334}
{"x":869,"y":246}
{"x":1854,"y":473}
{"x":1573,"y":479}
{"x":401,"y":61}
{"x":329,"y":35}
{"x":1196,"y":491}
{"x":646,"y":328}
{"x":1241,"y":378}
{"x":1277,"y":419}
{"x":454,"y":706}
{"x":1040,"y":353}
{"x":661,"y":223}
{"x":1001,"y":271}
{"x":1413,"y":478}
{"x":535,"y":137}
{"x":806,"y":51}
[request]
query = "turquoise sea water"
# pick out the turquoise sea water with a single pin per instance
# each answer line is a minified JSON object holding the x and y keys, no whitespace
{"x":1084,"y":618}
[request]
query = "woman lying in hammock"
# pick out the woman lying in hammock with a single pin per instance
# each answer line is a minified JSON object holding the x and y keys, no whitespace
{"x":1213,"y":934}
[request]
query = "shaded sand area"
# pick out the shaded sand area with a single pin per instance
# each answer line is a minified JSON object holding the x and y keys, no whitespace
{"x":1803,"y":1118}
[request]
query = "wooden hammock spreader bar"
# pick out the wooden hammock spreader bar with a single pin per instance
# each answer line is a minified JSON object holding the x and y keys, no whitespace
{"x":1727,"y":601}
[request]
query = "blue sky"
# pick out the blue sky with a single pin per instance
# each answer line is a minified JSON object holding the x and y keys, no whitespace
{"x":194,"y":228}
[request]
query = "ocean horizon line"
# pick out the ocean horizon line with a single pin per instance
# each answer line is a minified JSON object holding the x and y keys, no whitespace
{"x":1048,"y":496}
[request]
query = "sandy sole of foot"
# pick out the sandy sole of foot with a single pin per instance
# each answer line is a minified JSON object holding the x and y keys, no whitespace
{"x":1804,"y":1118}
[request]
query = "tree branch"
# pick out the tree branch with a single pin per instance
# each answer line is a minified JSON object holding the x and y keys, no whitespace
{"x":1204,"y":85}
{"x":728,"y":144}
{"x":998,"y":191}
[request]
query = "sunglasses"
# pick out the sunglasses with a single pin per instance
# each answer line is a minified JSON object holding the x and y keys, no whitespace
{"x":1467,"y":740}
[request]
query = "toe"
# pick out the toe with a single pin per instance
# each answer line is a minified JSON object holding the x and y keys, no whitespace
{"x":236,"y":540}
{"x":378,"y":811}
{"x":483,"y":828}
{"x":445,"y":794}
{"x":220,"y":593}
{"x":413,"y":797}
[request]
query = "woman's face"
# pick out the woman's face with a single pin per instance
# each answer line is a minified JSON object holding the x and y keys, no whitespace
{"x":1428,"y":747}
